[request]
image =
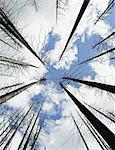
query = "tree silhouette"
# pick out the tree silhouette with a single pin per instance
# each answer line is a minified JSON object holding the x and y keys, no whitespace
{"x":108,"y":136}
{"x":44,"y":113}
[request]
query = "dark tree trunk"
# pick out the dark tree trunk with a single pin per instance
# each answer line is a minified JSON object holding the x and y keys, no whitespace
{"x":108,"y":136}
{"x":104,"y":39}
{"x":106,"y":52}
{"x":80,"y":133}
{"x":81,"y":12}
{"x":96,"y":136}
{"x":13,"y":93}
{"x":7,"y":24}
{"x":9,"y":141}
{"x":105,"y":87}
{"x":106,"y":10}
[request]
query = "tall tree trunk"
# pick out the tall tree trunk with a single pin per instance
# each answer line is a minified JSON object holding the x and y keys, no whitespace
{"x":101,"y":113}
{"x":37,"y":135}
{"x":16,"y":62}
{"x":25,"y":134}
{"x":14,"y":123}
{"x":105,"y":87}
{"x":13,"y":115}
{"x":81,"y":12}
{"x":9,"y":141}
{"x":9,"y":35}
{"x":13,"y":93}
{"x":11,"y":29}
{"x":104,"y":39}
{"x":95,"y":135}
{"x":28,"y":138}
{"x":106,"y":10}
{"x":57,"y":6}
{"x":108,"y":136}
{"x":9,"y":45}
{"x":80,"y":133}
{"x":106,"y":52}
{"x":27,"y":141}
{"x":10,"y":86}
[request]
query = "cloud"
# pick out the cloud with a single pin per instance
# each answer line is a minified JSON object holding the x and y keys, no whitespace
{"x":40,"y":24}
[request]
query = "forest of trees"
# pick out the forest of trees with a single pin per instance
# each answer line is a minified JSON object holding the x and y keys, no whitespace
{"x":18,"y":74}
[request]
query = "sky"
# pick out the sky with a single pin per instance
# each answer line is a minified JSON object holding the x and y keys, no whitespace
{"x":48,"y":39}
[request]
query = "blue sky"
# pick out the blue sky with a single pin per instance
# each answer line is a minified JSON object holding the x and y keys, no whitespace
{"x":57,"y":107}
{"x":85,"y":51}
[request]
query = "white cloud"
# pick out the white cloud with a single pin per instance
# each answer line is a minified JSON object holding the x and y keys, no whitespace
{"x":61,"y":129}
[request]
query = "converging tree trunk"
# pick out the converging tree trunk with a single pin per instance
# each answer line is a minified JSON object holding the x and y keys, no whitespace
{"x":101,"y":86}
{"x":95,"y":135}
{"x":11,"y":117}
{"x":10,"y":86}
{"x":9,"y":45}
{"x":9,"y":141}
{"x":7,"y":24}
{"x":81,"y":12}
{"x":9,"y":129}
{"x":16,"y":62}
{"x":80,"y":132}
{"x":32,"y":128}
{"x":106,"y":52}
{"x":104,"y":39}
{"x":106,"y":10}
{"x":57,"y":6}
{"x":101,"y":113}
{"x":37,"y":134}
{"x":107,"y":135}
{"x":25,"y":134}
{"x":21,"y":145}
{"x":13,"y":93}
